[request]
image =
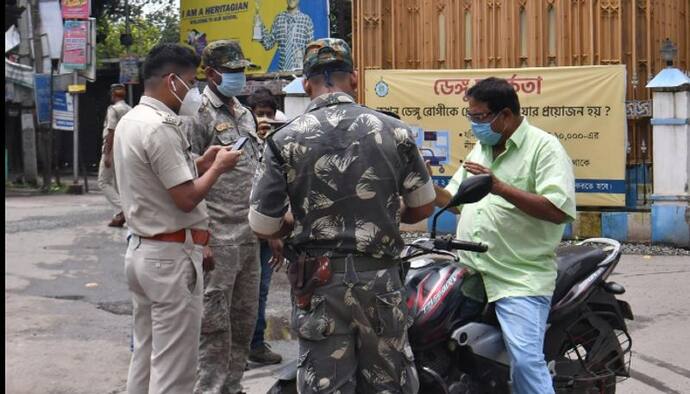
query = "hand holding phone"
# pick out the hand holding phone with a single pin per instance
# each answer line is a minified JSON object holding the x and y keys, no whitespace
{"x":226,"y":159}
{"x":240,"y":143}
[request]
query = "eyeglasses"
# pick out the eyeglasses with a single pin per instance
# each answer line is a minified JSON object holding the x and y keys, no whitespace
{"x":478,"y":117}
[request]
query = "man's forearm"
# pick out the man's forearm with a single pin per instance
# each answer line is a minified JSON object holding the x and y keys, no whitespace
{"x":532,"y":204}
{"x":443,"y":197}
{"x":108,"y":145}
{"x":201,"y":165}
{"x":285,"y":230}
{"x":286,"y":227}
{"x":189,"y":194}
{"x":204,"y":183}
{"x":410,"y":215}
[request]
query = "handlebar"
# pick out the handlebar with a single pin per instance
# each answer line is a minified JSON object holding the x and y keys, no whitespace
{"x":454,"y":244}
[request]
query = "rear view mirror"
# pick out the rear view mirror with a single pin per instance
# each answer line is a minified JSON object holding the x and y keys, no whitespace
{"x":472,"y":190}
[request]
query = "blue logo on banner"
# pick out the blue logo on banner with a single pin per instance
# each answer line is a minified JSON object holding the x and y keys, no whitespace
{"x":381,"y":88}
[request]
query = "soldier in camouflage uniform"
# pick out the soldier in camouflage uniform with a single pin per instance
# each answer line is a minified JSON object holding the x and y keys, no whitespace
{"x":349,"y":175}
{"x":232,"y":288}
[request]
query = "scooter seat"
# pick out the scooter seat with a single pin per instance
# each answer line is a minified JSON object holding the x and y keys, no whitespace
{"x":574,"y":264}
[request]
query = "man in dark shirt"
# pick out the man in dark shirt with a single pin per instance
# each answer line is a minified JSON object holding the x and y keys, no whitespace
{"x":339,"y":180}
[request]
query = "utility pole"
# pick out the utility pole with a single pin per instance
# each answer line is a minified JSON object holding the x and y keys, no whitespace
{"x":27,"y":116}
{"x":45,"y":140}
{"x":75,"y":106}
{"x":128,"y":43}
{"x":76,"y":187}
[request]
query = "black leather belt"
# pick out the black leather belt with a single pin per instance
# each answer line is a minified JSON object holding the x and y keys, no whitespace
{"x":361,"y":263}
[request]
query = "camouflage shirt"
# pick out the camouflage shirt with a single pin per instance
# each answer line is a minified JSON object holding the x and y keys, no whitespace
{"x":228,"y":199}
{"x":342,"y":169}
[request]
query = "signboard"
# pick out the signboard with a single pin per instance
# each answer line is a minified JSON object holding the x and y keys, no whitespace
{"x":63,"y":113}
{"x":76,"y":9}
{"x":273,"y":37}
{"x":90,"y":71}
{"x":51,"y":27}
{"x":129,"y":70}
{"x":78,"y":88}
{"x":76,"y":36}
{"x":42,"y":97}
{"x":583,"y":106}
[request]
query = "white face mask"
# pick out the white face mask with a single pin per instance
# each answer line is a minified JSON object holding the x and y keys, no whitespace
{"x":174,"y":88}
{"x":191,"y":103}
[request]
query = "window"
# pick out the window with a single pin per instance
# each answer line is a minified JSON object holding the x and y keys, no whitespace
{"x":551,"y":34}
{"x":468,"y":39}
{"x":524,"y":51}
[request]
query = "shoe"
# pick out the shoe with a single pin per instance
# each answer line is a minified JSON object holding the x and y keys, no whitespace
{"x":264,"y":355}
{"x":118,"y":220}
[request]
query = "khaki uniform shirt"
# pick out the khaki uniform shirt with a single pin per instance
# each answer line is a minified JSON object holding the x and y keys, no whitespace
{"x":228,"y":199}
{"x":152,"y":155}
{"x":113,"y":115}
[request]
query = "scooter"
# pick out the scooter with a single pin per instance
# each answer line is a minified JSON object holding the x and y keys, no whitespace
{"x":456,"y":338}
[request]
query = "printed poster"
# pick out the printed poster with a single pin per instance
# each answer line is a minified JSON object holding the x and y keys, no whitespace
{"x":76,"y":9}
{"x":74,"y":54}
{"x":584,"y":107}
{"x":272,"y":33}
{"x":129,"y":70}
{"x":63,"y":112}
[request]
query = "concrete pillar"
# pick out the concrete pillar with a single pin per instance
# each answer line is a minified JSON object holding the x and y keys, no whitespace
{"x":29,"y":146}
{"x":671,"y":155}
{"x":29,"y":157}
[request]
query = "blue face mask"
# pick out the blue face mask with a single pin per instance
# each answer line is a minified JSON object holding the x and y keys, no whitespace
{"x":485,"y":134}
{"x":231,"y":84}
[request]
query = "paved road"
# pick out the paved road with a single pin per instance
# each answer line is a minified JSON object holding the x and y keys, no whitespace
{"x":67,"y":308}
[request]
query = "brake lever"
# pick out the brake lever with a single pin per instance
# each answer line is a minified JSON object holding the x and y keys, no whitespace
{"x":430,"y":250}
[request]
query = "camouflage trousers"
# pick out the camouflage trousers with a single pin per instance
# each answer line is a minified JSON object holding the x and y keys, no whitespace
{"x":353,"y":338}
{"x":231,"y":301}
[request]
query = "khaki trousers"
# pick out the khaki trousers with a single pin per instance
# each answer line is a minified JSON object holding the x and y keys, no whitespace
{"x":107,"y":184}
{"x":166,"y":282}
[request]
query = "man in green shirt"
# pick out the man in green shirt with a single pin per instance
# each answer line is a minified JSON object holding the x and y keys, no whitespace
{"x":522,"y":221}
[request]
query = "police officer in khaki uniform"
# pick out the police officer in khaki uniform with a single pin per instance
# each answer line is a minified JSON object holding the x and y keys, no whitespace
{"x":162,"y":199}
{"x":231,"y":293}
{"x":106,"y":172}
{"x":339,"y":180}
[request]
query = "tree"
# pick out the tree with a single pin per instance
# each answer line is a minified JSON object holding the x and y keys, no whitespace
{"x":144,"y":33}
{"x":151,"y":22}
{"x":167,"y":20}
{"x":341,"y":20}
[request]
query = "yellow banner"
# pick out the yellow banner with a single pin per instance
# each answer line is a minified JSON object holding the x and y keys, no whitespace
{"x":205,"y":21}
{"x":583,"y":106}
{"x":272,"y":35}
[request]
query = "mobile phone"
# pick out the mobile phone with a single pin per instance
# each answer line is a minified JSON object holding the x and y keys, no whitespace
{"x":240,"y":143}
{"x":276,"y":124}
